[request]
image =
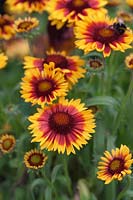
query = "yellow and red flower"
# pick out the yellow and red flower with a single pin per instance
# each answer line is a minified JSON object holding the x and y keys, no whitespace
{"x":35,"y":159}
{"x":25,"y":25}
{"x":71,"y":66}
{"x":27,"y":5}
{"x":40,"y":87}
{"x":96,"y":32}
{"x":6,"y":27}
{"x":62,"y":11}
{"x":129,"y":61}
{"x":3,"y":60}
{"x":7,"y":143}
{"x":33,"y":63}
{"x":129,"y":3}
{"x":62,"y":126}
{"x":115,"y":165}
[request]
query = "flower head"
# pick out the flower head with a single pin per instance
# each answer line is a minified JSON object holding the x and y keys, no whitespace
{"x":27,"y":5}
{"x":129,"y":3}
{"x":62,"y":126}
{"x":62,"y":11}
{"x":6,"y":27}
{"x":94,"y":64}
{"x":3,"y":60}
{"x":115,"y":165}
{"x":99,"y":32}
{"x":25,"y":25}
{"x":129,"y":61}
{"x":70,"y":66}
{"x":7,"y":143}
{"x":35,"y":159}
{"x":40,"y":87}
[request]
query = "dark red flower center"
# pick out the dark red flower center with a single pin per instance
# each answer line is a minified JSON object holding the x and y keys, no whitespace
{"x":131,"y":62}
{"x":59,"y":60}
{"x":4,"y":21}
{"x":77,"y":5}
{"x":25,"y":25}
{"x":35,"y":159}
{"x":95,"y":64}
{"x":116,"y":166}
{"x":28,"y":1}
{"x":7,"y":144}
{"x":61,"y":122}
{"x":45,"y":87}
{"x":105,"y":35}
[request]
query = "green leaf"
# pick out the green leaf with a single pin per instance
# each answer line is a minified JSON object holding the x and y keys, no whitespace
{"x":103,"y":100}
{"x":36,"y":182}
{"x":55,"y":172}
{"x":48,"y":193}
{"x":83,"y":190}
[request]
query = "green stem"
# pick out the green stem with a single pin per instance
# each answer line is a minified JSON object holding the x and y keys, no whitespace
{"x":123,"y":192}
{"x":120,"y":113}
{"x":69,"y":184}
{"x":110,"y":72}
{"x":49,"y":183}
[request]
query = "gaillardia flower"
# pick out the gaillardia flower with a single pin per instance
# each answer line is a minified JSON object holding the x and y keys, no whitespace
{"x":95,"y":64}
{"x":6,"y":27}
{"x":62,"y":11}
{"x":115,"y":165}
{"x":129,"y":61}
{"x":25,"y":25}
{"x":130,"y":3}
{"x":33,"y":63}
{"x":3,"y":60}
{"x":35,"y":159}
{"x":40,"y":87}
{"x":27,"y":5}
{"x":99,"y":32}
{"x":71,"y":66}
{"x":7,"y":143}
{"x":62,"y":126}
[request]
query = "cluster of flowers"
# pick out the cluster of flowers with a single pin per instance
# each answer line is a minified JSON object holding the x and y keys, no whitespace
{"x":61,"y":124}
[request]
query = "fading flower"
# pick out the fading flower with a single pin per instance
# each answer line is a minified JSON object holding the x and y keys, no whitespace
{"x":35,"y":159}
{"x":129,"y":61}
{"x":7,"y":143}
{"x":94,"y":64}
